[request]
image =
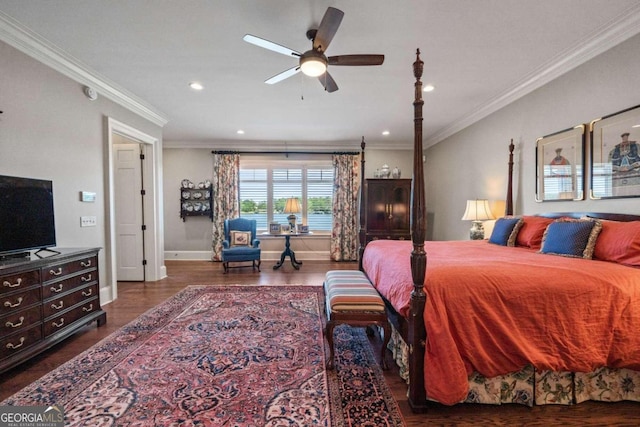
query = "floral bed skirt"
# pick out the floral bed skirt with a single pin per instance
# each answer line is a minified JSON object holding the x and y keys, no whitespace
{"x":530,"y":387}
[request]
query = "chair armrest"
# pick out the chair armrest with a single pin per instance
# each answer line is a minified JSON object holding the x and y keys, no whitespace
{"x":255,"y":243}
{"x":225,"y":244}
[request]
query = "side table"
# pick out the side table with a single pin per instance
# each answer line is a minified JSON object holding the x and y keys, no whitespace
{"x":288,"y":252}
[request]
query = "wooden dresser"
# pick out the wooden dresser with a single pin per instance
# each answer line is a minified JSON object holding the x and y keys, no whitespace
{"x":45,"y":300}
{"x":387,"y":209}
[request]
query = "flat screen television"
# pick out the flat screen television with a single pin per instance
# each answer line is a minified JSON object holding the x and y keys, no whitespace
{"x":26,"y":215}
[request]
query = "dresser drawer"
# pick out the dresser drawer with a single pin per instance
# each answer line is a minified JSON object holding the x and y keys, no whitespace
{"x":60,"y":270}
{"x":57,"y":305}
{"x":62,"y":286}
{"x":58,"y":323}
{"x":17,"y":342}
{"x":10,"y":303}
{"x":20,"y":320}
{"x":14,"y":282}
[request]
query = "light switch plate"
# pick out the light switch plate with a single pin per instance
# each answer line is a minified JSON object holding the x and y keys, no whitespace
{"x":88,"y":221}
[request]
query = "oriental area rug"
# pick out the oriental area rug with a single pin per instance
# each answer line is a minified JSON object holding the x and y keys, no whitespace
{"x":222,"y":356}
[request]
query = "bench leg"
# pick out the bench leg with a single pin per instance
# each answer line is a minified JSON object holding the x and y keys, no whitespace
{"x":329,"y":335}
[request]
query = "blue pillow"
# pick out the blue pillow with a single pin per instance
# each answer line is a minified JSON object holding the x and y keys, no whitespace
{"x":572,"y":238}
{"x":505,"y":231}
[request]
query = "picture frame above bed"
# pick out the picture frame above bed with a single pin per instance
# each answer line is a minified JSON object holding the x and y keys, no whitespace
{"x":615,"y":155}
{"x":560,"y":165}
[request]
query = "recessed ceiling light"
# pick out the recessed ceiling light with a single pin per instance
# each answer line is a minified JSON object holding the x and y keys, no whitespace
{"x":196,"y":86}
{"x":429,"y":88}
{"x":635,"y":126}
{"x":240,"y":132}
{"x":385,"y":132}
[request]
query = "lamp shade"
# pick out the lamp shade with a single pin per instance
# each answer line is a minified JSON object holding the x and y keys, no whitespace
{"x":477,"y":210}
{"x":292,"y":206}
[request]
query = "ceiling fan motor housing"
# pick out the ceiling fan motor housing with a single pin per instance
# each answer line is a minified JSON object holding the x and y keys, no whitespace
{"x":311,"y":34}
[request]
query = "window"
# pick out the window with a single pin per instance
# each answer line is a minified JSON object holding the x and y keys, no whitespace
{"x":265,"y":187}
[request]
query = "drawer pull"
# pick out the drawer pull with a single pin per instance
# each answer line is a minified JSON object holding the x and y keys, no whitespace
{"x":8,"y":304}
{"x":58,"y":289}
{"x":58,"y":325}
{"x":8,"y":284}
{"x":88,"y":309}
{"x":58,"y":307}
{"x":86,"y":279}
{"x":14,"y":346}
{"x":15,"y":325}
{"x":87,"y":293}
{"x":86,"y":263}
{"x":56,"y":272}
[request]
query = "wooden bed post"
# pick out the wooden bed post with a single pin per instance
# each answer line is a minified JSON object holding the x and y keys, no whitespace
{"x":363,"y":182}
{"x":509,"y":204}
{"x":417,"y":333}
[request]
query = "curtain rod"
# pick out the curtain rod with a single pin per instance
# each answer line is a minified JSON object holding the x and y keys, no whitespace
{"x":284,"y":152}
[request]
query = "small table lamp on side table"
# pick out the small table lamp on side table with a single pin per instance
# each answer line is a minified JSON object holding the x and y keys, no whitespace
{"x":477,"y":211}
{"x":292,"y":207}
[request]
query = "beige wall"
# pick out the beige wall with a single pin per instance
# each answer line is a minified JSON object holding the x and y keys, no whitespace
{"x":191,"y":239}
{"x":473,"y":163}
{"x":51,"y":130}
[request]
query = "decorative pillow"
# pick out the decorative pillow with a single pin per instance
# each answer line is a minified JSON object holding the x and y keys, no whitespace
{"x":505,"y":231}
{"x":619,"y":242}
{"x":240,"y":238}
{"x":571,"y":237}
{"x":532,"y":230}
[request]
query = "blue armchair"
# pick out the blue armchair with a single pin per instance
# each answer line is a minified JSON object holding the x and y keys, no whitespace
{"x":240,"y":243}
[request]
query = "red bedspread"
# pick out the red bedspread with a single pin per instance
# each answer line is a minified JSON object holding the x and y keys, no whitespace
{"x":494,"y":309}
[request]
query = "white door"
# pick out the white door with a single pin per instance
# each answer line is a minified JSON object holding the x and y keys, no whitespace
{"x":129,"y":213}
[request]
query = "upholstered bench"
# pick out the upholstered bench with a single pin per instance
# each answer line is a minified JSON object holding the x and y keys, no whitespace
{"x":351,"y":299}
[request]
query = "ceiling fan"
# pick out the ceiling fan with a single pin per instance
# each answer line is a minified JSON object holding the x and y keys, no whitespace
{"x":314,"y":62}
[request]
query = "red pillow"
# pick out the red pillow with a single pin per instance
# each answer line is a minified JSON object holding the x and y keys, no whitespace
{"x":619,"y":242}
{"x":530,"y":234}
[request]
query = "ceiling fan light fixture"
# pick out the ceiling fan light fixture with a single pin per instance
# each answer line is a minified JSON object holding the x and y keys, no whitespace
{"x":313,"y":64}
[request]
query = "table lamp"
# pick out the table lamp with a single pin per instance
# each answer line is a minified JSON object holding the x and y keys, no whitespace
{"x":477,"y":211}
{"x":292,"y":207}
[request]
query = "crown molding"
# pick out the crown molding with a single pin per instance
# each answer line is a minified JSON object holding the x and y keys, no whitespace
{"x":261,"y":146}
{"x":30,"y":43}
{"x":625,"y":26}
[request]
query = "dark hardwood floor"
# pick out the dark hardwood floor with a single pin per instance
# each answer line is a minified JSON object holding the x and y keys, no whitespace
{"x":134,"y":298}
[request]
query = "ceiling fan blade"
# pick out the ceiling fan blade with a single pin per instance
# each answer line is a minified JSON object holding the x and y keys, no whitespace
{"x":356,"y":60}
{"x":328,"y":83}
{"x":270,"y":45}
{"x":327,"y":29}
{"x":283,"y":75}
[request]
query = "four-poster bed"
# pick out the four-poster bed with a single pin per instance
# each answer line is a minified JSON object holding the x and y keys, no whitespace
{"x":552,"y":329}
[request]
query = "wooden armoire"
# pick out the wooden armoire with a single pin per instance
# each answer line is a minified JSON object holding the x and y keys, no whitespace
{"x":387,"y":209}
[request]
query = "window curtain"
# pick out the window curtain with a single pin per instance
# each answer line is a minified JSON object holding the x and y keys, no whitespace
{"x":226,"y":175}
{"x":346,"y":186}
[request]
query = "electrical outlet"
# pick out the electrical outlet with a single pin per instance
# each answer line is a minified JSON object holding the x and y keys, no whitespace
{"x":88,"y":221}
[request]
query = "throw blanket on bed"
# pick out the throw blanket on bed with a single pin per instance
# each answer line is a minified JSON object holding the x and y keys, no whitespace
{"x":493,"y":309}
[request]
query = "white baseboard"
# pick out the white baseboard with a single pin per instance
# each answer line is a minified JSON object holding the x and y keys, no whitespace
{"x":265,"y":256}
{"x":187,"y":255}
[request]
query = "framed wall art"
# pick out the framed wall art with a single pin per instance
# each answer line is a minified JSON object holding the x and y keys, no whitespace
{"x":560,"y":165}
{"x":615,"y":155}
